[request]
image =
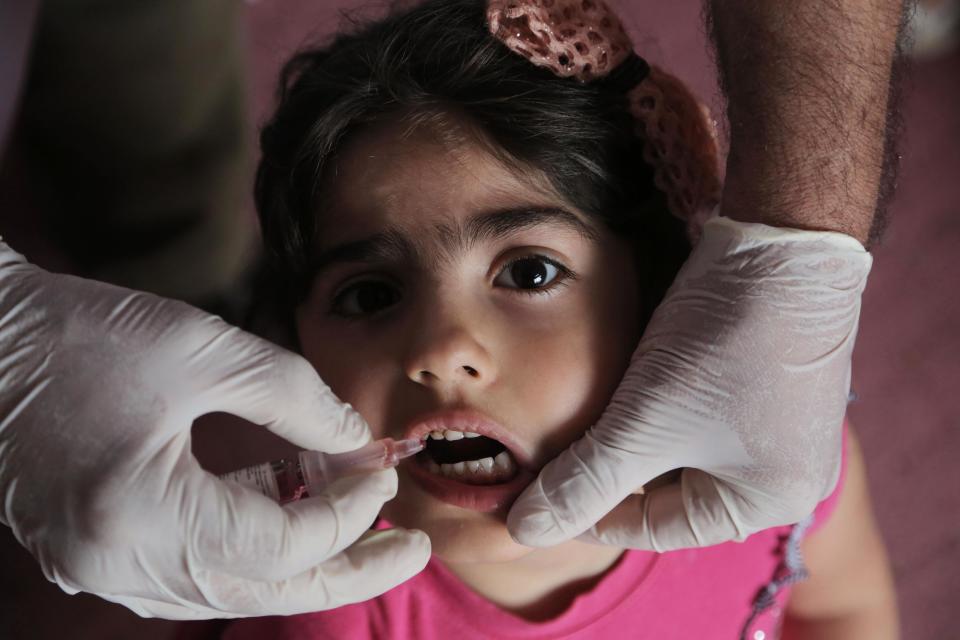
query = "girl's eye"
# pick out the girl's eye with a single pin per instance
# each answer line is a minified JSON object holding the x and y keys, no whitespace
{"x":365,"y":298}
{"x":533,"y":273}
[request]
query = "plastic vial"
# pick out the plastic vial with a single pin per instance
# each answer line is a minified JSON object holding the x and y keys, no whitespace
{"x":286,"y":480}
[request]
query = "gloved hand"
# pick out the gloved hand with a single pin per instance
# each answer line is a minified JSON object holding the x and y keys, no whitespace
{"x":741,"y":378}
{"x":98,"y":389}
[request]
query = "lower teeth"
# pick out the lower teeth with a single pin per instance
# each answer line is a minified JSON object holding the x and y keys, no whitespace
{"x":484,"y":471}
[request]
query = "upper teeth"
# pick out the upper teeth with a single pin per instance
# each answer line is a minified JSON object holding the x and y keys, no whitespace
{"x":450,"y":434}
{"x":493,"y":469}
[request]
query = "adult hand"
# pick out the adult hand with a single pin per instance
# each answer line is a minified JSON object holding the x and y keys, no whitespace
{"x":741,"y":379}
{"x":99,"y":387}
{"x":742,"y":375}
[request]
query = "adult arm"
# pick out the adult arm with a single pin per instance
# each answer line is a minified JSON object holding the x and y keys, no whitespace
{"x":99,"y":387}
{"x":742,"y":375}
{"x":809,"y":100}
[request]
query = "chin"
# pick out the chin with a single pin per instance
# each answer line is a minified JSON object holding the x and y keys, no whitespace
{"x":457,"y":535}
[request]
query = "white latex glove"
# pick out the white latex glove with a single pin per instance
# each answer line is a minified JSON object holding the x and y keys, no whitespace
{"x":98,"y":389}
{"x":741,"y":378}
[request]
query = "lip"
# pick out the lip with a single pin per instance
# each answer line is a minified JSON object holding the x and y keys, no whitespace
{"x":466,"y":419}
{"x":483,"y":498}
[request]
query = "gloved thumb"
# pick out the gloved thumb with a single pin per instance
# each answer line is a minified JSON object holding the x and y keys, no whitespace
{"x":577,"y":488}
{"x":261,"y":382}
{"x":694,"y":512}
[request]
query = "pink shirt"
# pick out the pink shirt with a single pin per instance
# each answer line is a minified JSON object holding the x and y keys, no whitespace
{"x":693,"y":593}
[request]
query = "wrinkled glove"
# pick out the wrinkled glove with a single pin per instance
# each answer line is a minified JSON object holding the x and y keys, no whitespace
{"x":741,"y":379}
{"x":99,"y":387}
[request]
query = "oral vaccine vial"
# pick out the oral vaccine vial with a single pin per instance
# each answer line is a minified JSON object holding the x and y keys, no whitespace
{"x":287,"y":480}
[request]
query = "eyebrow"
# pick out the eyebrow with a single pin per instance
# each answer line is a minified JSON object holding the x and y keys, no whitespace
{"x":393,"y":245}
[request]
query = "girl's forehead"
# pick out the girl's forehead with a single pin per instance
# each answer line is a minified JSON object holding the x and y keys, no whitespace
{"x":409,"y":177}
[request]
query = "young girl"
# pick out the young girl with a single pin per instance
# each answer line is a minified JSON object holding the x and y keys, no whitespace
{"x":471,"y":210}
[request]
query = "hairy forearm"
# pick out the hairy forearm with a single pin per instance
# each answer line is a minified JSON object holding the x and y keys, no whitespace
{"x":810,"y":107}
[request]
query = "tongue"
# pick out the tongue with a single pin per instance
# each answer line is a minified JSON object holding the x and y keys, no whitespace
{"x":451,"y":451}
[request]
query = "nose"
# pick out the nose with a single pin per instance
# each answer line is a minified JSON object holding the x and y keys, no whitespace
{"x":447,"y":351}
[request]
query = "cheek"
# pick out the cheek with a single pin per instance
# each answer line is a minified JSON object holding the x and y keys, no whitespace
{"x":562,"y":371}
{"x":338,"y":364}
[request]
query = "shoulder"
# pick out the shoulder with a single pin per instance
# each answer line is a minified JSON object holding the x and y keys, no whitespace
{"x":850,"y":459}
{"x":846,"y":558}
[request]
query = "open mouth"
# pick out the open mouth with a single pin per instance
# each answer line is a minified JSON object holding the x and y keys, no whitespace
{"x":468,"y":461}
{"x":468,"y":457}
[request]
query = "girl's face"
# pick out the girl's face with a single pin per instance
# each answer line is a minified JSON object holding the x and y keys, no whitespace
{"x":450,"y":287}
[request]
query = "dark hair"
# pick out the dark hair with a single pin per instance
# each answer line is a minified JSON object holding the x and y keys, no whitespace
{"x":440,"y":58}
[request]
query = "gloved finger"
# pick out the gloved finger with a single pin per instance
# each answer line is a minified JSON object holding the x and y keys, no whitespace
{"x":150,"y":608}
{"x":577,"y":488}
{"x":377,"y":562}
{"x":9,"y":257}
{"x":256,"y":380}
{"x":264,"y":541}
{"x":691,"y":513}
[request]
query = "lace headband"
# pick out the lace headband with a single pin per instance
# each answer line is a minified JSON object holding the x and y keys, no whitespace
{"x":584,"y":39}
